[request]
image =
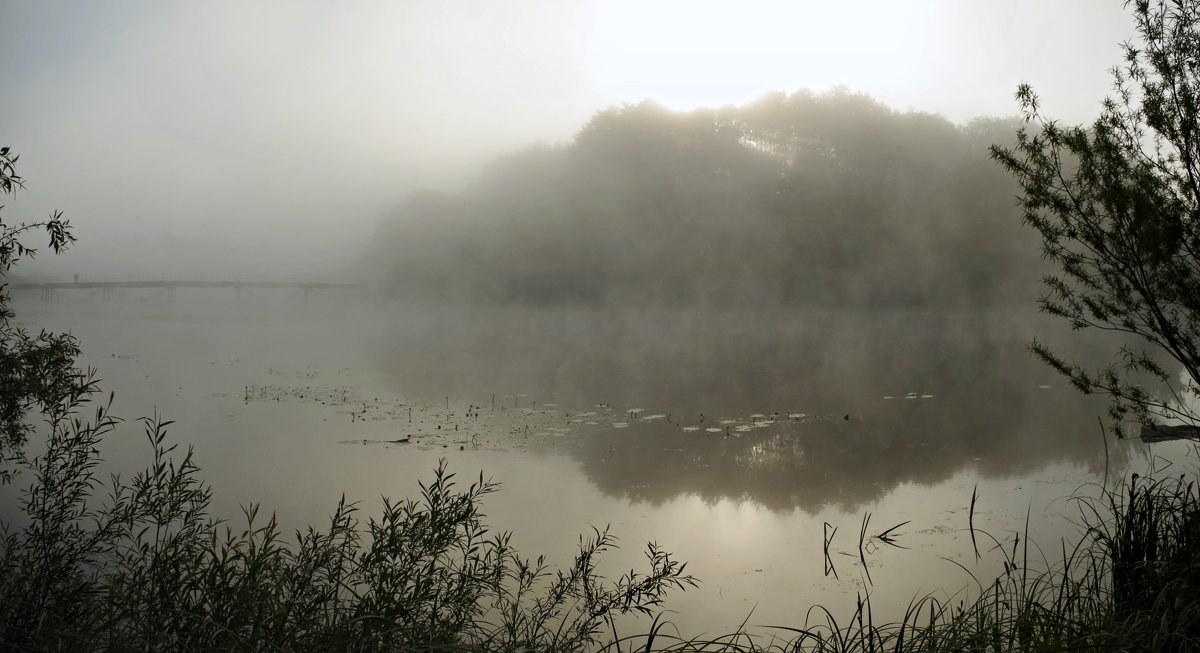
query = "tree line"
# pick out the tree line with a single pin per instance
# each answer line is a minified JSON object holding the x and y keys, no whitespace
{"x":807,"y":199}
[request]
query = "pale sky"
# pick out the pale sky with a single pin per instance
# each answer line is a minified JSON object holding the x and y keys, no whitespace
{"x":192,"y":138}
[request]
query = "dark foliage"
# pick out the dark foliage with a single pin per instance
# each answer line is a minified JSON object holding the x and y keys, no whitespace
{"x":36,"y":371}
{"x":1117,"y":206}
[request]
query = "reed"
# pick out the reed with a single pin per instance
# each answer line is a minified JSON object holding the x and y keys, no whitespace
{"x":139,"y":563}
{"x":1130,"y":583}
{"x":145,"y":567}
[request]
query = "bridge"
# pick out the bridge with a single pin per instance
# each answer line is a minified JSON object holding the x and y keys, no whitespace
{"x":106,"y":288}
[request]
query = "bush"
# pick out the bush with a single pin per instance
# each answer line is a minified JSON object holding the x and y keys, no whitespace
{"x":147,"y":567}
{"x":151,"y":569}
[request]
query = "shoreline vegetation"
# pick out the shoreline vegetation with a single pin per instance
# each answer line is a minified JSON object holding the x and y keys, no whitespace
{"x":139,"y":563}
{"x":149,"y":568}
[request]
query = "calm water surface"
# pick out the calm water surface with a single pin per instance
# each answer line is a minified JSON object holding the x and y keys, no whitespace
{"x":730,"y":438}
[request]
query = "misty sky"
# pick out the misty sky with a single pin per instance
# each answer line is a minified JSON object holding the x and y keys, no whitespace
{"x":201,"y":139}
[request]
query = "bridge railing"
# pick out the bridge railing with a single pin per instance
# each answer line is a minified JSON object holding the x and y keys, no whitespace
{"x":106,"y":286}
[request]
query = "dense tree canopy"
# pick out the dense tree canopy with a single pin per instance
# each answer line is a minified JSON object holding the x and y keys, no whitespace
{"x":805,"y":199}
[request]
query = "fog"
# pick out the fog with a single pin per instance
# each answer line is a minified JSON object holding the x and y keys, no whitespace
{"x":720,"y":274}
{"x":802,"y":200}
{"x":770,"y":208}
{"x":213,"y":138}
{"x":728,"y":435}
{"x":795,"y":409}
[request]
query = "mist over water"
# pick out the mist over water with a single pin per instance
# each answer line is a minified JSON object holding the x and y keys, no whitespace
{"x":727,"y":331}
{"x":728,"y":436}
{"x":789,"y":408}
{"x":613,"y":271}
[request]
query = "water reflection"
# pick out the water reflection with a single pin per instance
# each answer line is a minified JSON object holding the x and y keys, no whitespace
{"x":978,"y":400}
{"x":789,"y":409}
{"x":330,"y":373}
{"x":834,"y":462}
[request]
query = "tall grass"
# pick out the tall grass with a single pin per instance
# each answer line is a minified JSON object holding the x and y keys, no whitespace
{"x":145,"y":567}
{"x":140,"y":564}
{"x":1130,"y":583}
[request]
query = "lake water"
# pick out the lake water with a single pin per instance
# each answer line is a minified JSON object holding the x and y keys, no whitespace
{"x":735,"y":440}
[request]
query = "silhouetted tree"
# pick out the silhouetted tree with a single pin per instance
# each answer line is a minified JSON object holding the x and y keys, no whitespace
{"x":1117,"y":205}
{"x":36,"y":371}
